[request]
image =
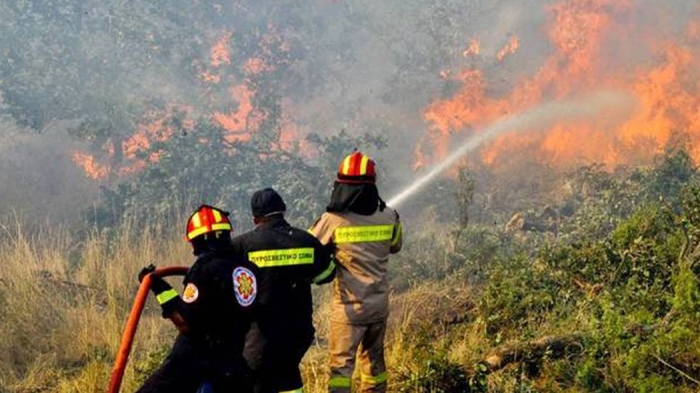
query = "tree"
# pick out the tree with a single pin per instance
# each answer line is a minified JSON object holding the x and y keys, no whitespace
{"x":202,"y":166}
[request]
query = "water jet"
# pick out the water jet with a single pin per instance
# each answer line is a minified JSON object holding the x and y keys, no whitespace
{"x":539,"y":117}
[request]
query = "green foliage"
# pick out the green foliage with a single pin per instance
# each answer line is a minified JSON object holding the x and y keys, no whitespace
{"x":600,"y":202}
{"x":622,"y":270}
{"x":436,"y":253}
{"x":148,"y":362}
{"x":518,"y":296}
{"x":437,"y":375}
{"x":479,"y":247}
{"x":106,"y":65}
{"x":465,"y":195}
{"x":674,"y":171}
{"x":618,"y":264}
{"x":433,"y":372}
{"x":202,"y":166}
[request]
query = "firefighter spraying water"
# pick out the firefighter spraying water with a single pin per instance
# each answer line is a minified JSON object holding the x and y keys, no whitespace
{"x":359,"y":228}
{"x":541,"y":116}
{"x":362,"y":231}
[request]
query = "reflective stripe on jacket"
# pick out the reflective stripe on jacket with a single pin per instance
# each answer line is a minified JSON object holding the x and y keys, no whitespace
{"x":362,"y":248}
{"x":289,"y":261}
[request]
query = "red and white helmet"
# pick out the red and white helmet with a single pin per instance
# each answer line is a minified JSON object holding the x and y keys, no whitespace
{"x":207,"y":219}
{"x":357,"y":168}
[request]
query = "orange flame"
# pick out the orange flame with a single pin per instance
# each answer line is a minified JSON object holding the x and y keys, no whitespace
{"x":89,"y":165}
{"x":510,"y":48}
{"x":473,"y":49}
{"x":256,"y":66}
{"x":591,"y":41}
{"x":243,"y":120}
{"x":239,"y":122}
{"x":219,"y":52}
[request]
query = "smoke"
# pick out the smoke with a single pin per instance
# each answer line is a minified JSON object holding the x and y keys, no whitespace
{"x":354,"y":65}
{"x":39,"y":185}
{"x":386,"y":63}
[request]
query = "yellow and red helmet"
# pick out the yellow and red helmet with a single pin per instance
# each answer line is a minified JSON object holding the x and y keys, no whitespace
{"x":207,"y":219}
{"x":357,"y":168}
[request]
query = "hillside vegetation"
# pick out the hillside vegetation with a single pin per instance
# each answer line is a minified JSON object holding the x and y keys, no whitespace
{"x":525,"y":274}
{"x":594,"y":290}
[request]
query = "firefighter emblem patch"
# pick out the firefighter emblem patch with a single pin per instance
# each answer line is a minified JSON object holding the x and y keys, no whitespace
{"x":244,"y":286}
{"x":190,"y":294}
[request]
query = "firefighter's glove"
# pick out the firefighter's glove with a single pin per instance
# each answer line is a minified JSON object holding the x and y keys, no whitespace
{"x":146,"y":271}
{"x":165,"y":294}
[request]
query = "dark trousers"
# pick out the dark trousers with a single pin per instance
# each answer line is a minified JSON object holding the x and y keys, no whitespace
{"x":275,"y":363}
{"x":187,"y":368}
{"x":280,"y":376}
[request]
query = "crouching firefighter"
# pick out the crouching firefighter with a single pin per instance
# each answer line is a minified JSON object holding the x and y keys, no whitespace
{"x":212,"y":315}
{"x":290,"y":260}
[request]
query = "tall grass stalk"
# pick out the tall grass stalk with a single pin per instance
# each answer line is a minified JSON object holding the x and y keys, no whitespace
{"x":65,"y":300}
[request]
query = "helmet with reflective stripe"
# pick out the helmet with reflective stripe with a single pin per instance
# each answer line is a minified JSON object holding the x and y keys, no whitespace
{"x":357,"y":168}
{"x":207,"y":219}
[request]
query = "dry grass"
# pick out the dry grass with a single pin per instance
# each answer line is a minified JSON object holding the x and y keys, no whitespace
{"x":65,"y":301}
{"x":420,"y":317}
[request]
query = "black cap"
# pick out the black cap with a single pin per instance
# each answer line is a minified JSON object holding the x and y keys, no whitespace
{"x":267,"y":202}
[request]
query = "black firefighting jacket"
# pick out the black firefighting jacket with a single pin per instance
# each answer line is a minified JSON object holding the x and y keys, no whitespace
{"x":289,"y":261}
{"x":217,"y":302}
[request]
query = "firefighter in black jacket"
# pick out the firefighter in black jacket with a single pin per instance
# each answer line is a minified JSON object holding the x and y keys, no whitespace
{"x":289,"y":261}
{"x":212,"y":315}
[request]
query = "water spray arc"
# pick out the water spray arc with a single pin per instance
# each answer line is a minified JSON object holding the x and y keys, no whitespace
{"x":540,"y":116}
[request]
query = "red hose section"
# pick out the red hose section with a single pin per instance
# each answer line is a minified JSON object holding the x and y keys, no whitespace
{"x":133,"y":321}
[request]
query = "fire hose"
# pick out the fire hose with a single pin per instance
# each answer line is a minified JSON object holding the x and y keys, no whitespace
{"x":133,"y":321}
